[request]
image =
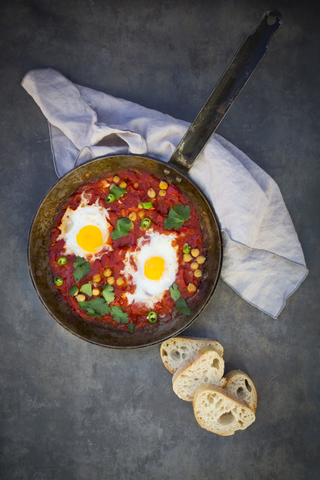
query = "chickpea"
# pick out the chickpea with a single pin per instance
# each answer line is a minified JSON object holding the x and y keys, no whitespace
{"x":194,"y":266}
{"x":116,"y":179}
{"x":151,"y":193}
{"x":198,"y":273}
{"x":191,"y":288}
{"x":110,"y":280}
{"x":141,"y":214}
{"x":162,"y":193}
{"x":163,"y":185}
{"x":133,"y":216}
{"x":97,"y":278}
{"x":201,"y":259}
{"x":136,"y":185}
{"x":95,"y":291}
{"x":123,"y":185}
{"x":187,"y":257}
{"x":107,"y":272}
{"x":195,"y":252}
{"x":80,"y":298}
{"x":119,"y":281}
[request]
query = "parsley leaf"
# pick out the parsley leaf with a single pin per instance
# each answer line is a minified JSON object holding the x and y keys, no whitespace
{"x":73,"y":290}
{"x":122,"y":229}
{"x":79,"y":261}
{"x":108,"y":294}
{"x":175,"y":294}
{"x":181,"y":306}
{"x":82,"y":268}
{"x":177,"y":216}
{"x":119,"y":315}
{"x":131,"y":327}
{"x":96,"y":307}
{"x":87,"y":289}
{"x":147,"y":205}
{"x":117,"y":191}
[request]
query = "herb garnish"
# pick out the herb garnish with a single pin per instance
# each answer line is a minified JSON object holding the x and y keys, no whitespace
{"x":117,"y":191}
{"x":82,"y":268}
{"x":73,"y":290}
{"x":181,"y":304}
{"x":96,"y":307}
{"x":87,"y":289}
{"x":147,"y":205}
{"x":108,"y":293}
{"x":119,"y":315}
{"x":131,"y":327}
{"x":122,"y":229}
{"x":177,"y":216}
{"x":175,"y":294}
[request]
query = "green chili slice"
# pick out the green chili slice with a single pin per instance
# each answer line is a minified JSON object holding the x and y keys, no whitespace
{"x":152,"y":317}
{"x":58,"y":281}
{"x":145,"y":223}
{"x":110,"y":198}
{"x":62,"y":260}
{"x":187,"y":249}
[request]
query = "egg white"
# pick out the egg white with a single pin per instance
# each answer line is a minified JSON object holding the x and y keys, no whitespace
{"x":149,"y":291}
{"x":74,"y":220}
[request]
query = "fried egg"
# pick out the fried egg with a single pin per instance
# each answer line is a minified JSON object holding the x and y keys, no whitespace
{"x":86,"y":230}
{"x":152,"y":268}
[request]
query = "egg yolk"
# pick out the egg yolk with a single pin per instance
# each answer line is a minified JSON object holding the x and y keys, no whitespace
{"x":153,"y":268}
{"x":90,"y":238}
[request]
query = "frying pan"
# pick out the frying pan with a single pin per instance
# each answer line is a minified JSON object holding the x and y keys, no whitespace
{"x":175,"y":172}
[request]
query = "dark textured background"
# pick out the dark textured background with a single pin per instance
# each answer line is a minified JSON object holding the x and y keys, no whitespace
{"x":71,"y":410}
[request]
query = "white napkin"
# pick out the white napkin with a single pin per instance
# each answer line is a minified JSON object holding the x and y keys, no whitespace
{"x":263,"y":260}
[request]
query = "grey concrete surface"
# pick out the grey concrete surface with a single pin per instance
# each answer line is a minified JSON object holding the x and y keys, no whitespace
{"x":72,"y":410}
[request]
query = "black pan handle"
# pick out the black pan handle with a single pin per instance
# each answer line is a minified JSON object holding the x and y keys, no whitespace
{"x":225,"y":92}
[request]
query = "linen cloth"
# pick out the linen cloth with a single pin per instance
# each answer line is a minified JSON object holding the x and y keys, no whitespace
{"x":263,"y":259}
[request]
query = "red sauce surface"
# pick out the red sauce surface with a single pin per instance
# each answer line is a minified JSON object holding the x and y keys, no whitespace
{"x":138,"y":184}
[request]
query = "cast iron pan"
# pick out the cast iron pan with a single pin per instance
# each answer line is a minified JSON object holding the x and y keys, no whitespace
{"x":175,"y":172}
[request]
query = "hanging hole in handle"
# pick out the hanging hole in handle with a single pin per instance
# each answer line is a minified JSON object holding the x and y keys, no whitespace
{"x":272,"y":17}
{"x":271,"y":20}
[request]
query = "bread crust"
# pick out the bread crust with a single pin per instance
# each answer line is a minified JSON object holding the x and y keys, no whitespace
{"x":240,"y":385}
{"x":242,"y":416}
{"x":176,"y":350}
{"x":192,"y":370}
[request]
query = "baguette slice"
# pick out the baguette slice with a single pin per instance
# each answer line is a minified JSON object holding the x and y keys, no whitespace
{"x":219,"y":413}
{"x":175,"y":351}
{"x":204,"y":367}
{"x":240,"y":386}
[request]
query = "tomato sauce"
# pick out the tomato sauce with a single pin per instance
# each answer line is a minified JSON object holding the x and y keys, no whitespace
{"x":138,"y":184}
